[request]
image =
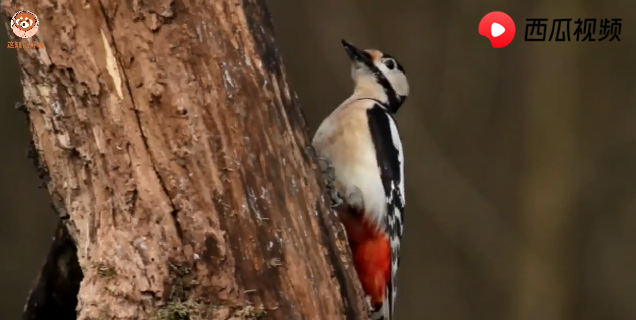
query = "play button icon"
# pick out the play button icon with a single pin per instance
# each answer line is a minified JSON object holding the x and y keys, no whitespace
{"x":498,"y":27}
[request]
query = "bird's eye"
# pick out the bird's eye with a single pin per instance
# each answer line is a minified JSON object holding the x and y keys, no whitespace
{"x":389,"y":63}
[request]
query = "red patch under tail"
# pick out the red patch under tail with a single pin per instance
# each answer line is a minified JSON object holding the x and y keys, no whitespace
{"x":371,"y":254}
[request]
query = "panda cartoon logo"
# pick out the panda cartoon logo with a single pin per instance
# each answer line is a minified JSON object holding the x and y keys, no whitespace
{"x":25,"y":24}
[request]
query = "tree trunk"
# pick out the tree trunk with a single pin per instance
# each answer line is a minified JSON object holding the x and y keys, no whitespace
{"x":176,"y":154}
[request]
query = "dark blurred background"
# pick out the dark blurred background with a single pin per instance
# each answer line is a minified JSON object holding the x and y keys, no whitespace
{"x":520,"y":162}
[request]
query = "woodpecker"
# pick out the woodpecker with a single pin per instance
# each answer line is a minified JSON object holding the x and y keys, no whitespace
{"x":362,"y":159}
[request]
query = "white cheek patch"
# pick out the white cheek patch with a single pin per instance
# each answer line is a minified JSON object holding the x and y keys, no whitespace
{"x":399,"y":83}
{"x":396,"y":78}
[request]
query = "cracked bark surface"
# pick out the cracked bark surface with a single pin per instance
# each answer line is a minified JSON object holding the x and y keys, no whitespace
{"x":177,"y":157}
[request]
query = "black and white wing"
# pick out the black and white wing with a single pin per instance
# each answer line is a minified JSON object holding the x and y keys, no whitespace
{"x":390,"y":158}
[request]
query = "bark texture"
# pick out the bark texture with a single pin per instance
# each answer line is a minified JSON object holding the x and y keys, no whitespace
{"x":177,"y":157}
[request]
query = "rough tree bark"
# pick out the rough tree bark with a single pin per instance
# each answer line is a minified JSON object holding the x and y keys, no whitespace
{"x":177,"y":157}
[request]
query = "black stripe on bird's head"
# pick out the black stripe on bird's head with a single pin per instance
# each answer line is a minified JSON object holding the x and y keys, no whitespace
{"x":374,"y":71}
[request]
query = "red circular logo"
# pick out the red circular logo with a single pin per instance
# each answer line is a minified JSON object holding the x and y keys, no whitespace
{"x":498,"y":27}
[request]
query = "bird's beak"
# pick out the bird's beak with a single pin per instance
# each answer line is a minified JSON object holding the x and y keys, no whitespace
{"x":354,"y":53}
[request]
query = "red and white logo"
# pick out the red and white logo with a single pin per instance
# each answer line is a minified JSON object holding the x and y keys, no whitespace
{"x":498,"y":27}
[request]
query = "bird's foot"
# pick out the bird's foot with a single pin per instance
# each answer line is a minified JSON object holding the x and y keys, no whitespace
{"x":329,"y":174}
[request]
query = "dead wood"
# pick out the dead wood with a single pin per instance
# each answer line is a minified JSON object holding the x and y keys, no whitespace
{"x":177,"y":155}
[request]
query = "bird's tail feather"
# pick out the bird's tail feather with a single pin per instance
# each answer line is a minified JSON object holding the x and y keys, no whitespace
{"x":382,"y":312}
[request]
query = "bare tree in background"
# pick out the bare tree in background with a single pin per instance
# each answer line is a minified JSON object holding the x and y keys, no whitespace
{"x":176,"y":155}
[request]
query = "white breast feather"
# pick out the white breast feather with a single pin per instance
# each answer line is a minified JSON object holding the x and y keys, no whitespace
{"x":352,"y":153}
{"x":362,"y":176}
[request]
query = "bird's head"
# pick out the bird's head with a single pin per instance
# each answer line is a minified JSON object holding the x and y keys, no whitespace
{"x":378,"y":75}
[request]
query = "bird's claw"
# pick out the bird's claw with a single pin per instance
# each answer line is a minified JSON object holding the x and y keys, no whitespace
{"x":336,"y":199}
{"x":329,"y":174}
